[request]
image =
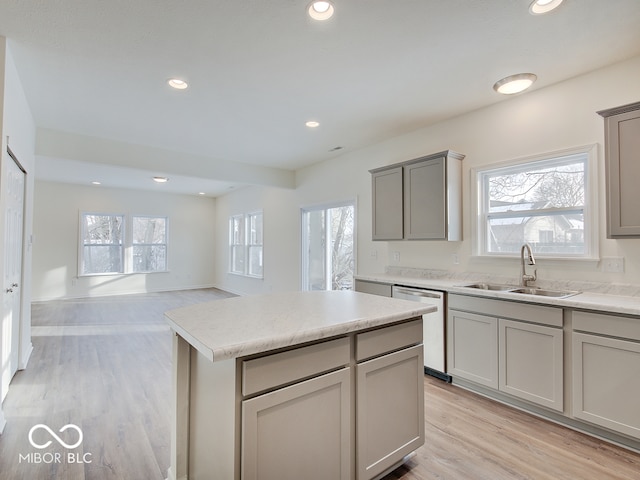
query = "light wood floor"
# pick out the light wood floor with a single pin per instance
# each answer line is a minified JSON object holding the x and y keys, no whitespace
{"x":105,"y":365}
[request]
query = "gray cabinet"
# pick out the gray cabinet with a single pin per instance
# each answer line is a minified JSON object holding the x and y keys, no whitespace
{"x":606,"y":371}
{"x":298,"y":405}
{"x":420,"y":199}
{"x":386,"y":190}
{"x":531,"y":363}
{"x":622,"y":150}
{"x":277,"y":442}
{"x":472,"y":347}
{"x":374,"y":288}
{"x":389,"y":397}
{"x":512,"y":347}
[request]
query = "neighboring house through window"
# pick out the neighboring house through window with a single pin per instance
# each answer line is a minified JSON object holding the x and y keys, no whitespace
{"x":548,"y":201}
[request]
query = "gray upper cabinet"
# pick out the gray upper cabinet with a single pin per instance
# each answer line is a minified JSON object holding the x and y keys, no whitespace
{"x":386,"y":187}
{"x":420,"y":199}
{"x":622,"y":147}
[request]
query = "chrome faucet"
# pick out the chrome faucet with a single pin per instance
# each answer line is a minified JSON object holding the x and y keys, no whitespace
{"x":524,"y":278}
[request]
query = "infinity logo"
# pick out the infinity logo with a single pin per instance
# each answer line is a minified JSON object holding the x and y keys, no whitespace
{"x":58,"y":439}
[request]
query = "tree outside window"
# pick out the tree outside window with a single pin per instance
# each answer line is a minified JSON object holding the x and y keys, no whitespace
{"x":102,"y":244}
{"x":546,"y":202}
{"x":149,"y":244}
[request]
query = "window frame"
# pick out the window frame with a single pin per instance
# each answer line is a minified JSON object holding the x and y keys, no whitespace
{"x":246,"y":243}
{"x":82,"y":244}
{"x":479,"y":225}
{"x":304,"y":246}
{"x":165,"y":244}
{"x":126,"y":244}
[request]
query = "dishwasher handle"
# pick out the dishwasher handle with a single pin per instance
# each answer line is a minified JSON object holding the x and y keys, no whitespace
{"x":418,"y":293}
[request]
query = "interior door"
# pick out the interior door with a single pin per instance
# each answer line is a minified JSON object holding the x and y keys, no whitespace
{"x":13,"y":183}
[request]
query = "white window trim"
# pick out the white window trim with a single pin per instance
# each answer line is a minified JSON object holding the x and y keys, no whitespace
{"x":325,"y":206}
{"x":245,"y":244}
{"x":129,"y":257}
{"x":81,"y":243}
{"x":127,"y":244}
{"x":591,"y":209}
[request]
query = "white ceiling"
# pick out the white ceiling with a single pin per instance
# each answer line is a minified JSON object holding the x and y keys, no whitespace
{"x":259,"y":69}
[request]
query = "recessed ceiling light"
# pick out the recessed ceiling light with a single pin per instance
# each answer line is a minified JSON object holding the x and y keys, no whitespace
{"x":514,"y":83}
{"x":177,"y":83}
{"x":96,"y":183}
{"x":312,"y":124}
{"x":160,"y":179}
{"x":538,"y":7}
{"x":320,"y":10}
{"x":201,"y":193}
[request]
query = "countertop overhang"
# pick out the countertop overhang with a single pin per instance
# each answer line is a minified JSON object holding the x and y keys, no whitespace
{"x":241,"y":326}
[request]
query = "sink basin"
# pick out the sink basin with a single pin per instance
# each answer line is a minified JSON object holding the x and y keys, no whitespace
{"x":543,"y":292}
{"x":490,"y":286}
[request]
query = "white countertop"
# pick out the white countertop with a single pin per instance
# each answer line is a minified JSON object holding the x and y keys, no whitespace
{"x":240,"y":326}
{"x":619,"y":304}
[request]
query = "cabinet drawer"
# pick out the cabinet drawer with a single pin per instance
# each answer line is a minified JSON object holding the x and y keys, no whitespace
{"x":271,"y":371}
{"x":612,"y":325}
{"x":551,"y":316}
{"x":388,"y":339}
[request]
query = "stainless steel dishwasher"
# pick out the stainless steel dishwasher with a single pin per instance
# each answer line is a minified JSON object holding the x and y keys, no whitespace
{"x":433,"y":328}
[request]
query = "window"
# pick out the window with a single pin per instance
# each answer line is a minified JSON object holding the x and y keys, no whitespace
{"x":107,"y":247}
{"x":245,"y":244}
{"x":548,"y":202}
{"x":149,"y":244}
{"x":102,"y":244}
{"x":328,"y":247}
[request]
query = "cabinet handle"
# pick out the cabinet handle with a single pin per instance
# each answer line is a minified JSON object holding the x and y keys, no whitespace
{"x":9,"y":290}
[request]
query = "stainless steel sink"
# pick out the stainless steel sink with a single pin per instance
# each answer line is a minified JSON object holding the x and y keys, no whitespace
{"x":490,"y":286}
{"x":543,"y":292}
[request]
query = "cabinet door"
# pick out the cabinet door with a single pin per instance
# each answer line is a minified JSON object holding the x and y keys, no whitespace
{"x":531,"y":363}
{"x":472,"y":347}
{"x":386,"y":191}
{"x":299,"y":432}
{"x":425,"y":206}
{"x":606,"y":382}
{"x":390,"y":410}
{"x":622,"y":132}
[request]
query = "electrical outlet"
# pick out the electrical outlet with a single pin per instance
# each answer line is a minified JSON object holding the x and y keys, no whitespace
{"x":374,"y":254}
{"x":613,"y":264}
{"x":454,"y":259}
{"x":396,"y":257}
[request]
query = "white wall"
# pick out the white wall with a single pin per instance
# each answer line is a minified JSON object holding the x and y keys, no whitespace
{"x":56,"y":237}
{"x":554,"y":118}
{"x":17,"y":131}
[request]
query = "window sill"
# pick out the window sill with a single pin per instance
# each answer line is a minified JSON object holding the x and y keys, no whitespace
{"x":245,"y":275}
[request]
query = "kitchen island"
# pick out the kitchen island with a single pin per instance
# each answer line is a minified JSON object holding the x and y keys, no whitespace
{"x":311,"y":385}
